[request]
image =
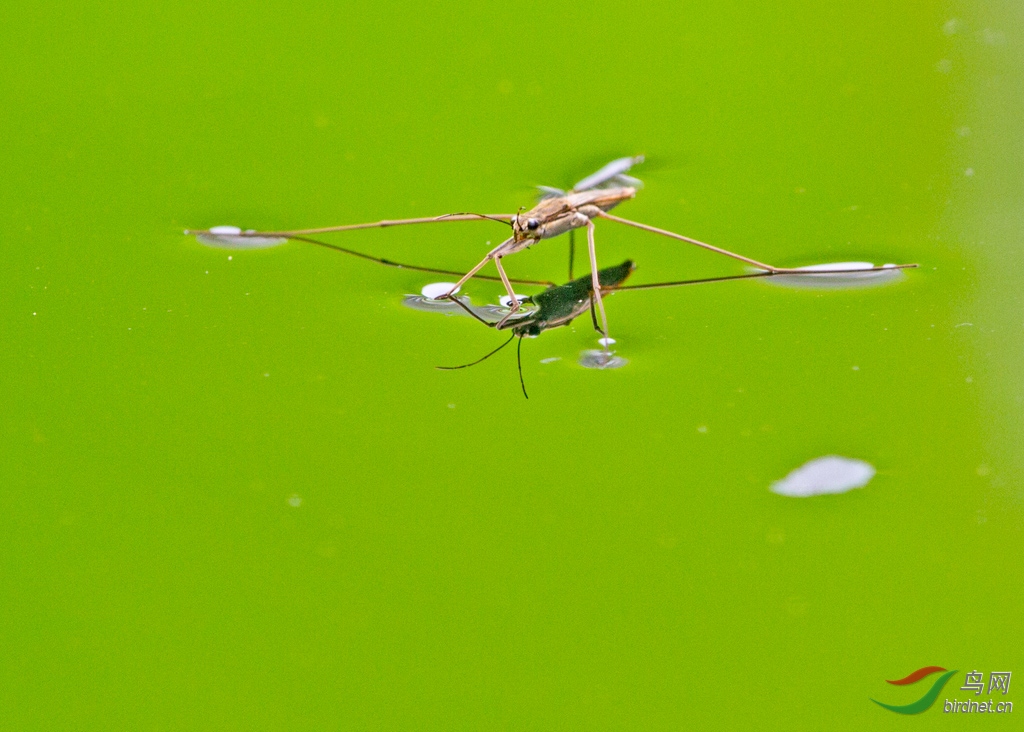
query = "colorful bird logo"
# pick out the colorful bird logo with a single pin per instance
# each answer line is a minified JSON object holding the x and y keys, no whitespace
{"x":925,"y":701}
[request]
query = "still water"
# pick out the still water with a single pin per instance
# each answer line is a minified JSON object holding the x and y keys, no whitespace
{"x":237,"y":494}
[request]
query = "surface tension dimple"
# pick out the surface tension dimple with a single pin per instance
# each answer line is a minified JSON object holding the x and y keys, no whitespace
{"x":232,"y":237}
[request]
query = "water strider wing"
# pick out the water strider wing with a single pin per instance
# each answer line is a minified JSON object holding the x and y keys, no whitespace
{"x":612,"y":174}
{"x":546,"y":192}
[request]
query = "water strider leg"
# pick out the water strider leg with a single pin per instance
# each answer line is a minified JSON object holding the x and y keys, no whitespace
{"x":501,"y":218}
{"x":572,"y":252}
{"x":771,"y":269}
{"x":596,"y":281}
{"x":480,"y":265}
{"x":710,"y":247}
{"x":593,"y":316}
{"x":508,"y":287}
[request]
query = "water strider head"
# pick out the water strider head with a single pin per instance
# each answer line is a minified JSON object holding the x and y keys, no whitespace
{"x":548,"y":218}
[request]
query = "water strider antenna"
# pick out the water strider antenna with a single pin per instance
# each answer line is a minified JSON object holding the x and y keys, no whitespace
{"x":467,"y":365}
{"x":474,"y":213}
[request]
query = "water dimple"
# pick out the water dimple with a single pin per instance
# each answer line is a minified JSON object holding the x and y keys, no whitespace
{"x":506,"y":301}
{"x":838,"y":276}
{"x":487,"y":313}
{"x":232,"y":237}
{"x":428,"y":304}
{"x":597,"y":358}
{"x":823,"y":476}
{"x":437,"y":289}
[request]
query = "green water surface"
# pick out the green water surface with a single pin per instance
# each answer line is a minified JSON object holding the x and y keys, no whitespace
{"x":236,"y":494}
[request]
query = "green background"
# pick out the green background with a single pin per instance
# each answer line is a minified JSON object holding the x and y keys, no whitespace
{"x":606,"y":555}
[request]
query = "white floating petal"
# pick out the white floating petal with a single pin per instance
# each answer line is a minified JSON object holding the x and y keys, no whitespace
{"x":823,"y":476}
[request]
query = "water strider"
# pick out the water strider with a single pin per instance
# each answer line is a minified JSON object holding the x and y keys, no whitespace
{"x":556,"y":213}
{"x":560,"y":305}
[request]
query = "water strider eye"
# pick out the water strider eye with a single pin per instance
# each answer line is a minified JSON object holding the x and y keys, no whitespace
{"x":532,"y":224}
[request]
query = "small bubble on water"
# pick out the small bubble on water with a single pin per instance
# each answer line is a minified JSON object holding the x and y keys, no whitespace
{"x":969,"y":172}
{"x":294,"y":500}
